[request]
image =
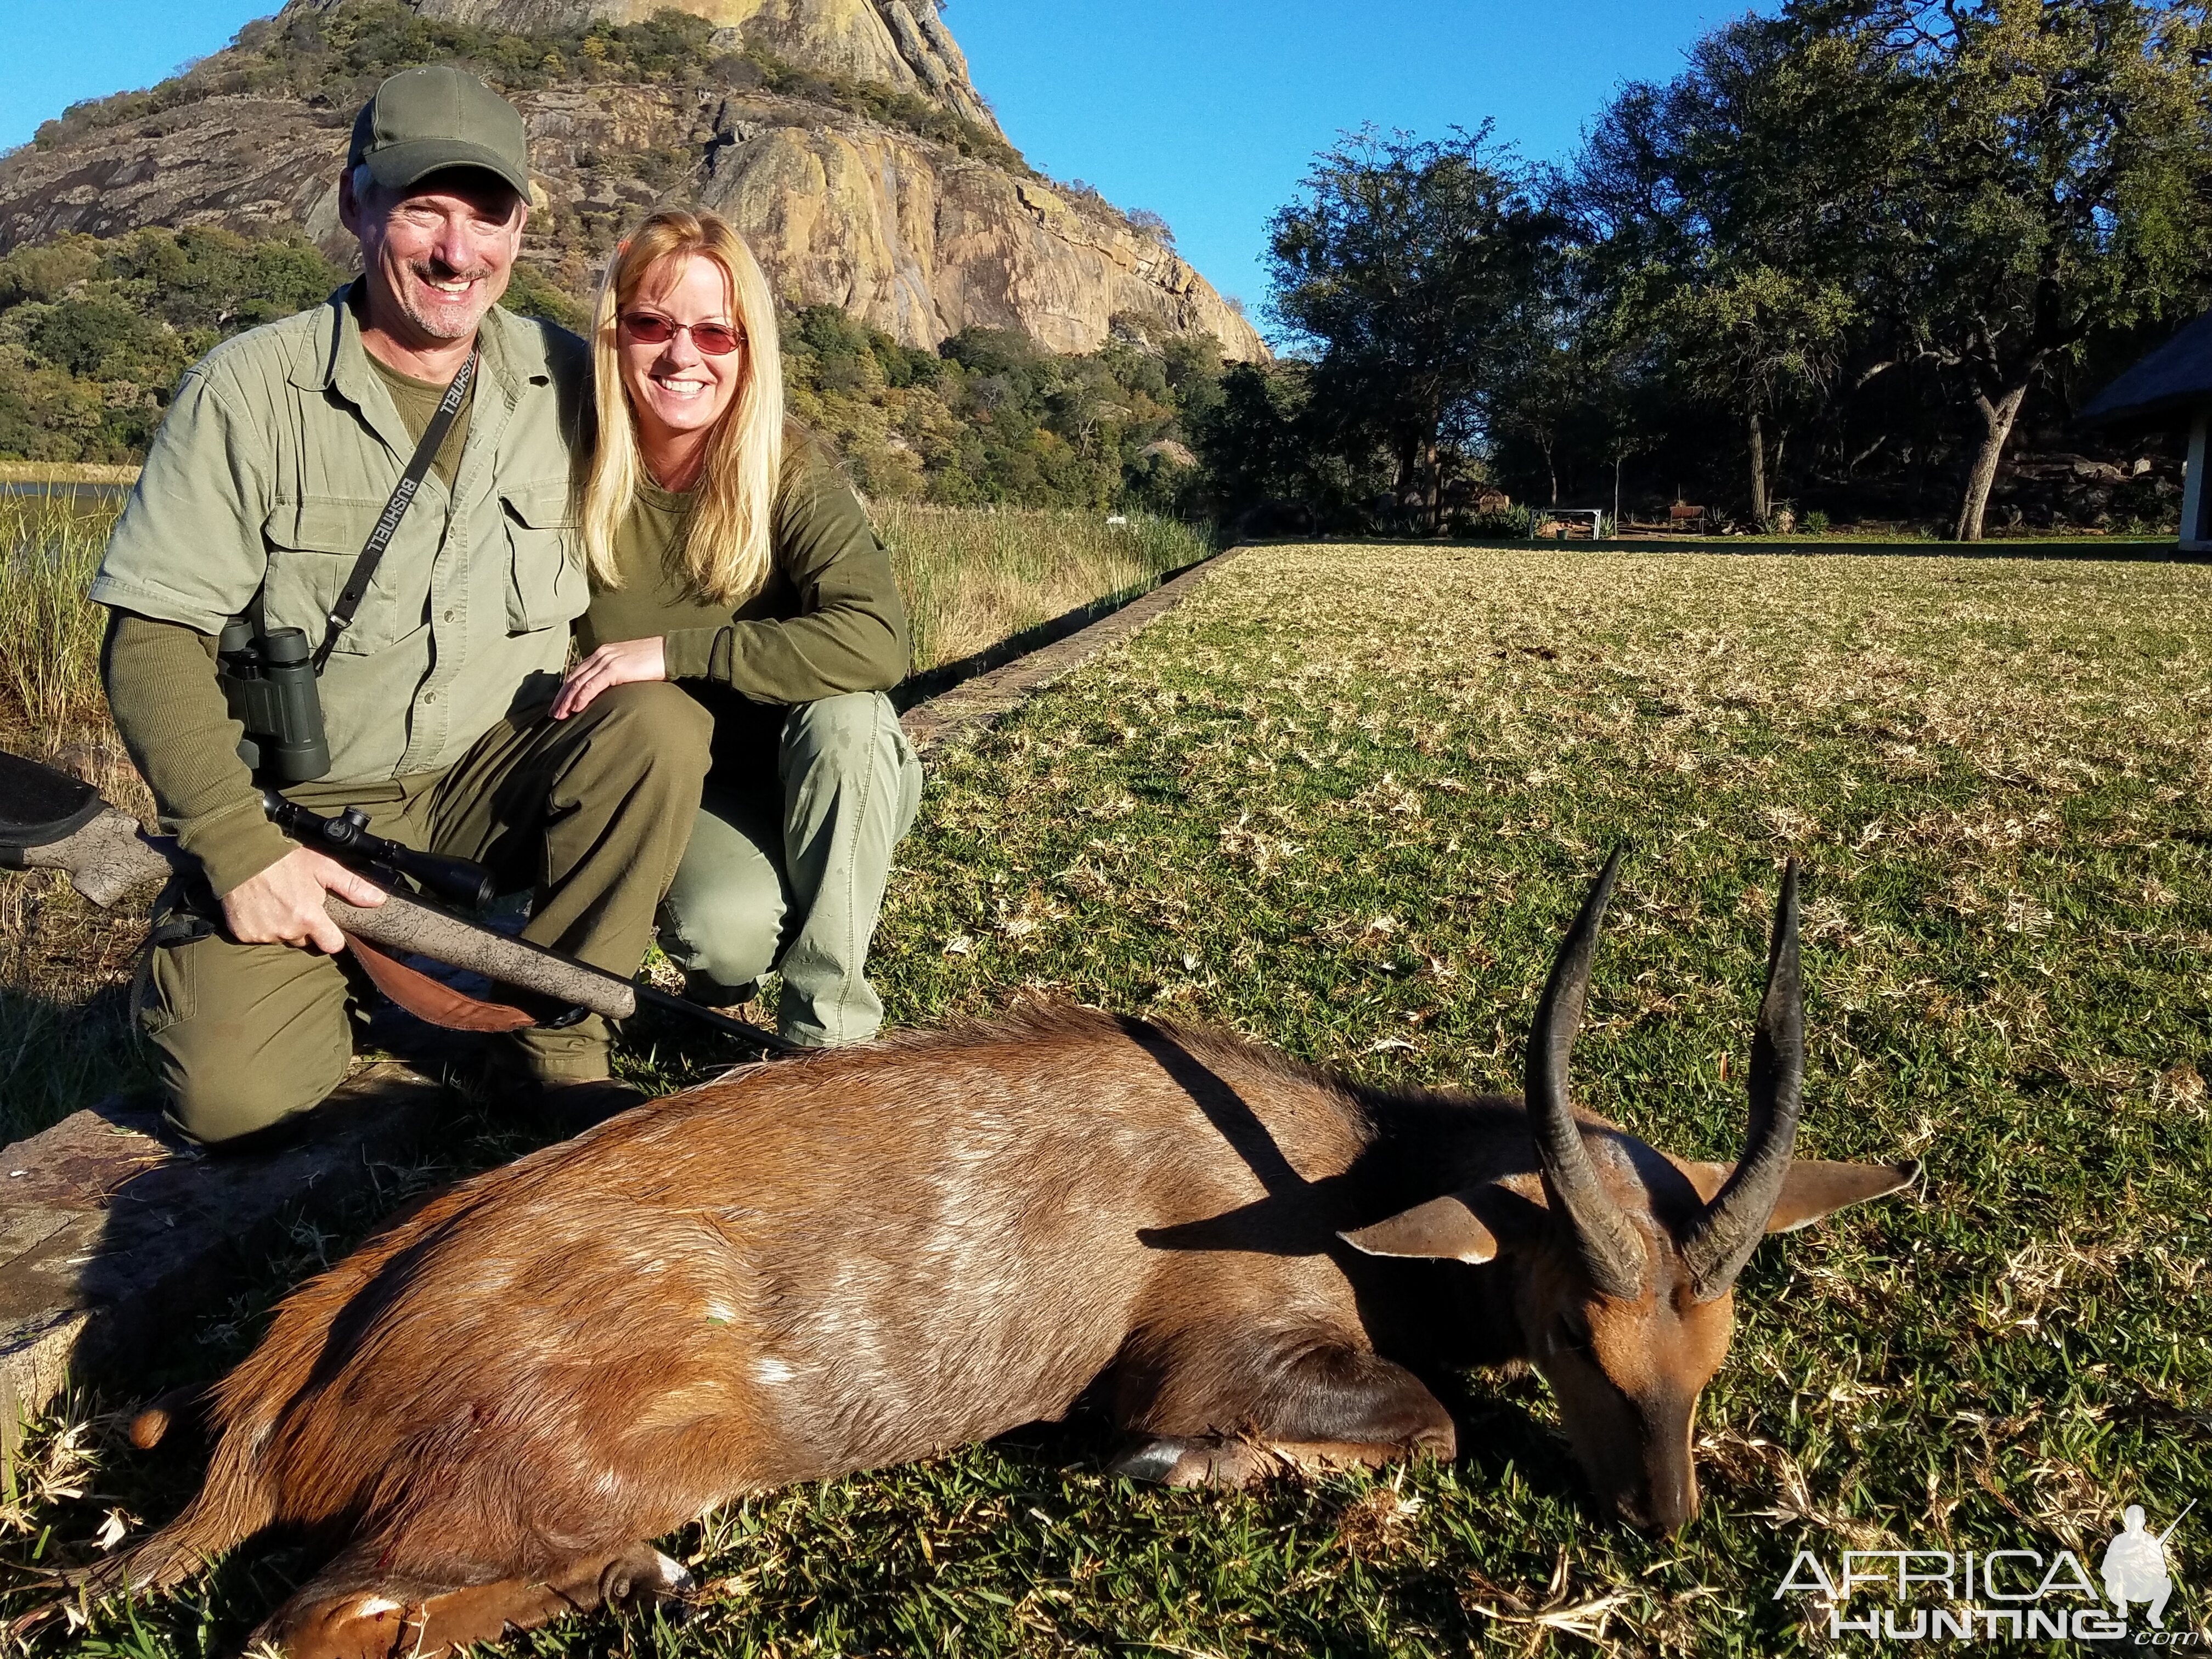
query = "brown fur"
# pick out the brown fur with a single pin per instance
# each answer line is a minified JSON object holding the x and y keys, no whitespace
{"x":863,"y":1257}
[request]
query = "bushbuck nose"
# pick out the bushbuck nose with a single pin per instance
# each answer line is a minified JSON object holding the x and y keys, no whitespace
{"x":1664,"y":1505}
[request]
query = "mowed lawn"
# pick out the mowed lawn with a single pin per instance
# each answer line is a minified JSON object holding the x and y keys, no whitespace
{"x":1343,"y":800}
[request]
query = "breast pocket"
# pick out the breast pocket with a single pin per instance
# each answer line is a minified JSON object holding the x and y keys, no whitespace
{"x":545,"y":583}
{"x":312,"y":546}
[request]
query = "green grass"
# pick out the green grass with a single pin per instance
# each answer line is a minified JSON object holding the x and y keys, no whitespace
{"x":1343,"y":800}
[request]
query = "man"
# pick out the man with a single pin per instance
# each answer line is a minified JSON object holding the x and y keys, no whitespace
{"x":2135,"y":1567}
{"x":280,"y":453}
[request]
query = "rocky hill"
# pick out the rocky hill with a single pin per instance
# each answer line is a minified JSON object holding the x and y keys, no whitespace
{"x":843,"y":137}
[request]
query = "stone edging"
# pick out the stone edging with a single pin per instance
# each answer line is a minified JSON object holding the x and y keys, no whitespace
{"x":976,"y":705}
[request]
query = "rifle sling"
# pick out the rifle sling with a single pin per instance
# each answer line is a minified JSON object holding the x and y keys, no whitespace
{"x":429,"y":998}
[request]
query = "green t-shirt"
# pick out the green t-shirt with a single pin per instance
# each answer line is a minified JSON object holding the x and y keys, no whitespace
{"x":828,"y":621}
{"x":416,"y":402}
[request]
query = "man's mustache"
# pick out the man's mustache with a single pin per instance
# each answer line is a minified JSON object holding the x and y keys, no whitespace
{"x":432,"y":272}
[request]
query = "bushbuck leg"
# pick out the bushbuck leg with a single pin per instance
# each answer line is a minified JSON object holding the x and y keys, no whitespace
{"x":1207,"y":1414}
{"x":351,"y":1610}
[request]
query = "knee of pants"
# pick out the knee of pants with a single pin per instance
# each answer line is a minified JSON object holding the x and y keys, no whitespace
{"x":841,"y":736}
{"x":729,"y":935}
{"x":214,"y":1099}
{"x":660,"y":726}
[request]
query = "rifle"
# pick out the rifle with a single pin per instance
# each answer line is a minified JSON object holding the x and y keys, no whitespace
{"x":51,"y":821}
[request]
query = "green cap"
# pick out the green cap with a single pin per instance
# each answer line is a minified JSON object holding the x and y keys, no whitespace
{"x":423,"y":120}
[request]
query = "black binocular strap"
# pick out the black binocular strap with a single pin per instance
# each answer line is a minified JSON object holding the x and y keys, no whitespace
{"x":387,"y":522}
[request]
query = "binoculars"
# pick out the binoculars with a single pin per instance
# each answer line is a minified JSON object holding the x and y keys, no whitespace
{"x":268,"y":682}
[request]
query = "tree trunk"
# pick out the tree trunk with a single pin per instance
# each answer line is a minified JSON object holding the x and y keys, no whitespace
{"x":1758,"y":472}
{"x":1996,"y":426}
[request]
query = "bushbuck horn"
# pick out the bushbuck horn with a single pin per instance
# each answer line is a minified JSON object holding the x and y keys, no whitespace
{"x":1721,"y":1239}
{"x":1611,"y":1252}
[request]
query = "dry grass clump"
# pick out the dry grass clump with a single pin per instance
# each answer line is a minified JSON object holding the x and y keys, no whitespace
{"x":49,"y":634}
{"x":65,"y":964}
{"x":971,"y":578}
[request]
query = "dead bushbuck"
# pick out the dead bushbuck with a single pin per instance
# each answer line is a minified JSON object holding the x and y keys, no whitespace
{"x":836,"y":1263}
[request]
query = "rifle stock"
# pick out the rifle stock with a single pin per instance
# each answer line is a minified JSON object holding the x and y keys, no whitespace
{"x":111,"y":854}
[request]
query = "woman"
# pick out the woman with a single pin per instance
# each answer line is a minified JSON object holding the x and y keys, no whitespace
{"x":728,"y":554}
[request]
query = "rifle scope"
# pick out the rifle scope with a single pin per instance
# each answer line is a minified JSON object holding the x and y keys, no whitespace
{"x":458,"y":880}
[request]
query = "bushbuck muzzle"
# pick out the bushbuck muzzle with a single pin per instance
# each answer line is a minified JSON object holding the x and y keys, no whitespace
{"x":877,"y":1254}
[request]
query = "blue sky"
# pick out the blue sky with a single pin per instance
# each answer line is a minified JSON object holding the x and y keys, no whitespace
{"x":1205,"y":111}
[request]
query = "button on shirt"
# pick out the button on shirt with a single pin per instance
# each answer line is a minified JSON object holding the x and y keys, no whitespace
{"x":277,"y":457}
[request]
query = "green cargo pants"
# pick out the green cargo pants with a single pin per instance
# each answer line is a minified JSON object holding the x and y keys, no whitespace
{"x":589,"y":813}
{"x":788,"y":860}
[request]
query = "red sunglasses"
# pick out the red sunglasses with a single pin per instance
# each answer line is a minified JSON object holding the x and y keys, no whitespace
{"x":651,"y":328}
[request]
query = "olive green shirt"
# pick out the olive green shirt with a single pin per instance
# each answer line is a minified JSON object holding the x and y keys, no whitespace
{"x":416,"y":402}
{"x":279,"y":453}
{"x":828,"y":621}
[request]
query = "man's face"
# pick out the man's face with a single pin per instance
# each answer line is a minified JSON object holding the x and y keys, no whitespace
{"x":437,"y":254}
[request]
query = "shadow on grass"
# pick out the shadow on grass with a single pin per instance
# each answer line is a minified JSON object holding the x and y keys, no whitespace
{"x":57,"y":1057}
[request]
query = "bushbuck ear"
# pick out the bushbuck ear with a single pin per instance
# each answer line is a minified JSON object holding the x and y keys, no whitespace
{"x":1441,"y":1229}
{"x":1813,"y":1188}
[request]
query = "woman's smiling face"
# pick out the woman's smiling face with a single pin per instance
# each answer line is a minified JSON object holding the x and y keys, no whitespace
{"x":676,"y":390}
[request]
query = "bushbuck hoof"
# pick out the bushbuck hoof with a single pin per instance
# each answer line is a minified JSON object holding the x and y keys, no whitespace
{"x":1230,"y":1461}
{"x":644,"y":1578}
{"x":178,"y":1409}
{"x":1201,"y":1460}
{"x":351,"y":1627}
{"x":374,"y":1625}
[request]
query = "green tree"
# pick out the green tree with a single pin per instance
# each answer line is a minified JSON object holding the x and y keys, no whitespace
{"x":1764,"y":339}
{"x":1408,"y":267}
{"x":2059,"y":186}
{"x":1850,"y":187}
{"x":1721,"y":212}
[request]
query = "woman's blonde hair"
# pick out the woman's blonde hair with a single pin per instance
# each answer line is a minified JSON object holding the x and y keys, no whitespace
{"x":728,"y":544}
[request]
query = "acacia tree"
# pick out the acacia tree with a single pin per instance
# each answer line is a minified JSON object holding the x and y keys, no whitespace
{"x":1851,"y":186}
{"x":2059,"y":186}
{"x":1408,"y":267}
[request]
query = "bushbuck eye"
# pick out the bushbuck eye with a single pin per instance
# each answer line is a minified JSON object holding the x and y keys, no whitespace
{"x":1574,"y":1331}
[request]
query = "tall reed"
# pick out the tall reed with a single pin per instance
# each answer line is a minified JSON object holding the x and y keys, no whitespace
{"x":972,"y":577}
{"x":49,"y":631}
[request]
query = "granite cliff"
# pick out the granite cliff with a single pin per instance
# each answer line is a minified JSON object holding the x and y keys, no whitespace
{"x":843,"y":137}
